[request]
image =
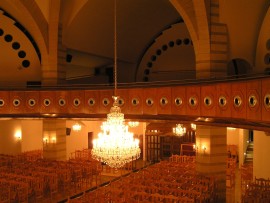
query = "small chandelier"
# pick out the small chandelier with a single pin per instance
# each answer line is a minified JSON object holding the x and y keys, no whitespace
{"x":179,"y":130}
{"x":76,"y":127}
{"x":115,"y":145}
{"x":133,"y":124}
{"x":193,"y":126}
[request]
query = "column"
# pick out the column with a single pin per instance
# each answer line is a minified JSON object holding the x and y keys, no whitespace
{"x":54,"y":139}
{"x":211,"y":158}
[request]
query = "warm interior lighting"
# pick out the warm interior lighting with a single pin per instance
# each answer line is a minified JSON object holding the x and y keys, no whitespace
{"x":18,"y":135}
{"x":76,"y":127}
{"x":115,"y":145}
{"x":231,"y":128}
{"x":133,"y":124}
{"x":179,"y":130}
{"x":193,"y":126}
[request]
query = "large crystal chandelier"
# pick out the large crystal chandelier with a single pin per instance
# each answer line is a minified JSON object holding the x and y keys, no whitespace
{"x":115,"y":145}
{"x":179,"y":130}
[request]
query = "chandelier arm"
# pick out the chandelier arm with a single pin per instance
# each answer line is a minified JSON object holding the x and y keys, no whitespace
{"x":115,"y":50}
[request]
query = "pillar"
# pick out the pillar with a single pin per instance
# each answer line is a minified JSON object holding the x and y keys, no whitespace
{"x":211,"y":157}
{"x":54,"y":139}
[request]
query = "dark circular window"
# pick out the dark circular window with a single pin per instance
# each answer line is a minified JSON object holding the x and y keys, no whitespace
{"x":186,"y":41}
{"x":26,"y":63}
{"x":164,"y":47}
{"x":146,"y":72}
{"x":171,"y":44}
{"x":16,"y":45}
{"x":21,"y":54}
{"x":158,"y":52}
{"x":1,"y":32}
{"x":178,"y":41}
{"x":149,"y":64}
{"x":153,"y":58}
{"x":8,"y":38}
{"x":237,"y":101}
{"x":135,"y":101}
{"x":91,"y":102}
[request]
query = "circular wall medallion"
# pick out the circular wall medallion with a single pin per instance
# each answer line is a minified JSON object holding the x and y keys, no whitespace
{"x":222,"y":101}
{"x":121,"y":102}
{"x":76,"y":102}
{"x":105,"y":102}
{"x":135,"y":101}
{"x":207,"y":101}
{"x":163,"y":101}
{"x":237,"y":101}
{"x":2,"y":102}
{"x":91,"y":102}
{"x":16,"y":102}
{"x":62,"y":102}
{"x":252,"y":100}
{"x":178,"y":101}
{"x":149,"y":101}
{"x":31,"y":102}
{"x":267,"y":101}
{"x":47,"y":102}
{"x":192,"y":101}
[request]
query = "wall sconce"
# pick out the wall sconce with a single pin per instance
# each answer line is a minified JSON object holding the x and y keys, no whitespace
{"x":18,"y":135}
{"x":45,"y":140}
{"x":204,"y":148}
{"x":53,"y":140}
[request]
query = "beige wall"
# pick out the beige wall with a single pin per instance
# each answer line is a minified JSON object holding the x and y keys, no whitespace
{"x":9,"y":144}
{"x":261,"y":163}
{"x":32,"y":131}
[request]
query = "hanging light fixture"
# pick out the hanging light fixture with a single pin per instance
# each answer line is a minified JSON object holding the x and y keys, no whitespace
{"x":179,"y":130}
{"x":76,"y":127}
{"x":115,"y":145}
{"x":133,"y":124}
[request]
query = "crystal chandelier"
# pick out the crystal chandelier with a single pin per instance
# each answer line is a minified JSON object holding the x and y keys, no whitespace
{"x":133,"y":124}
{"x":179,"y":130}
{"x":76,"y":127}
{"x":115,"y":145}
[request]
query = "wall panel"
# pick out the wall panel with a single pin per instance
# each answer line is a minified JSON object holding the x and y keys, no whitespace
{"x":76,"y":101}
{"x":47,"y":102}
{"x":17,"y":102}
{"x":32,"y":103}
{"x":105,"y":101}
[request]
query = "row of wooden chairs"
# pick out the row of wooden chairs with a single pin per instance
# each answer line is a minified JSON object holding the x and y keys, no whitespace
{"x":167,"y":181}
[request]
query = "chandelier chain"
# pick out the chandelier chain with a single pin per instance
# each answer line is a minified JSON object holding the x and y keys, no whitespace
{"x":115,"y":51}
